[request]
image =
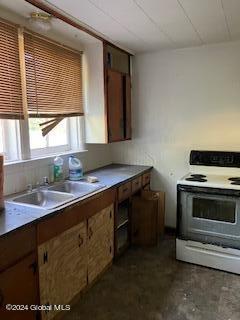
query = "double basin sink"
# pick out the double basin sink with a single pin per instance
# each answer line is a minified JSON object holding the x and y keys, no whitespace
{"x":56,"y":195}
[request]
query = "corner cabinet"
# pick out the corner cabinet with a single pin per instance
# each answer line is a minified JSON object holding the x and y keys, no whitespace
{"x":108,"y":94}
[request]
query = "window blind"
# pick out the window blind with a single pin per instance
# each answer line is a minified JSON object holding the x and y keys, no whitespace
{"x":53,"y":79}
{"x":11,"y":103}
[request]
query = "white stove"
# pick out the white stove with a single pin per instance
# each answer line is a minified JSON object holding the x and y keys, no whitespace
{"x":208,"y":214}
{"x":222,"y":181}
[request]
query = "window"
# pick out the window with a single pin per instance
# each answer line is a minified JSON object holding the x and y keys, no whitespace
{"x":60,"y":139}
{"x":41,"y":80}
{"x":9,"y":142}
{"x":56,"y":140}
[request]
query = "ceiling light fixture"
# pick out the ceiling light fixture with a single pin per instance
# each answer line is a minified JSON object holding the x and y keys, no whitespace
{"x":40,"y":21}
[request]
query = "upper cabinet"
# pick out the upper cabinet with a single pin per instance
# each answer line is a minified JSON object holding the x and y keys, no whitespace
{"x":107,"y":94}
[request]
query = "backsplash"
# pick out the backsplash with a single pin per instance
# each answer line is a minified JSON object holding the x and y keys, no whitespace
{"x":17,"y":176}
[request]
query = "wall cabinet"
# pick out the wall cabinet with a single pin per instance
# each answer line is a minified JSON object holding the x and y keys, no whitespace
{"x":107,"y":94}
{"x":18,"y":286}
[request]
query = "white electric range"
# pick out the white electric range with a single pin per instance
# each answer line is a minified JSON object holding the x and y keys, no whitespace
{"x":208,"y":211}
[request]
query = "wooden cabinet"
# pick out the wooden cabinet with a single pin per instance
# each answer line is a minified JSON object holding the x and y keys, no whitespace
{"x":75,"y":254}
{"x":136,"y":184}
{"x":63,"y":267}
{"x":117,"y":64}
{"x":115,"y":106}
{"x":124,"y":192}
{"x":18,"y":286}
{"x":146,"y":179}
{"x":100,"y":242}
{"x":118,"y":106}
{"x":108,"y":93}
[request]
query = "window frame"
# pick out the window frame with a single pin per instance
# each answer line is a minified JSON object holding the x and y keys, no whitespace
{"x":19,"y":149}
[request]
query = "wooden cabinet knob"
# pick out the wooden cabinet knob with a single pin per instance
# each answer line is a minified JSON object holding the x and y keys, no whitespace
{"x":90,"y":233}
{"x":80,"y":241}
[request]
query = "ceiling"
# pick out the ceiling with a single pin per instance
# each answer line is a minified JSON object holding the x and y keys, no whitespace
{"x":146,"y":25}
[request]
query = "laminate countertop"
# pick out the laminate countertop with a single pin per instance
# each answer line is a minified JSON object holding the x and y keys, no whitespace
{"x":16,"y":216}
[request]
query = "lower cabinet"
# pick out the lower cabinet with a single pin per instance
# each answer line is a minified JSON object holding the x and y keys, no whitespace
{"x":100,"y":242}
{"x":62,"y":268}
{"x":71,"y":260}
{"x":18,"y":286}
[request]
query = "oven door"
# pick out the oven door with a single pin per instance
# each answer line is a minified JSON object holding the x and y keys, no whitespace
{"x":209,"y":215}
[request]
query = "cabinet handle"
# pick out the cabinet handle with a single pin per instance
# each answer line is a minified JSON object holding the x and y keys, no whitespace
{"x":1,"y":298}
{"x":45,"y":257}
{"x":80,"y":240}
{"x":90,"y":233}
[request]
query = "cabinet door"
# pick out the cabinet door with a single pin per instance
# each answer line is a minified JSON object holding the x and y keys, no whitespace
{"x":62,"y":267}
{"x":115,"y":106}
{"x":18,"y":286}
{"x":100,"y":241}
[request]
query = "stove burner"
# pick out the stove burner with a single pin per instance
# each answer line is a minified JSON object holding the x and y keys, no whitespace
{"x":196,"y":179}
{"x":198,"y":176}
{"x":236,"y":182}
{"x":234,"y":179}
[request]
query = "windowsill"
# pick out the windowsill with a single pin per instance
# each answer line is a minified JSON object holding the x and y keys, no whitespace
{"x":45,"y":157}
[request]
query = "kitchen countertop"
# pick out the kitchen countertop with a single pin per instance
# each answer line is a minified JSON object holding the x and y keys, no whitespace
{"x":15,"y":216}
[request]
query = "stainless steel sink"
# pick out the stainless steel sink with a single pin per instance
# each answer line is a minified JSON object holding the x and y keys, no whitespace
{"x":79,"y":189}
{"x":44,"y":199}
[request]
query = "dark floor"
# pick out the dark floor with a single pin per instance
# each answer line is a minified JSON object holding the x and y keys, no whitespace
{"x":149,"y":284}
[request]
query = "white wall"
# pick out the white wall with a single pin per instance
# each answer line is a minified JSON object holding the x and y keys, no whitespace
{"x":182,"y":99}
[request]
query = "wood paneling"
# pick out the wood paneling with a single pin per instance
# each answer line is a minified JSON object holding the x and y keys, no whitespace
{"x":73,"y":215}
{"x":18,"y":285}
{"x":63,"y":267}
{"x":136,"y":184}
{"x":100,"y":242}
{"x":124,"y":191}
{"x":115,"y":106}
{"x":17,"y":245}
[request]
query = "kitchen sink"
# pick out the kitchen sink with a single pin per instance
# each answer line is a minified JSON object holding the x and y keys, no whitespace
{"x":44,"y":199}
{"x":79,"y":189}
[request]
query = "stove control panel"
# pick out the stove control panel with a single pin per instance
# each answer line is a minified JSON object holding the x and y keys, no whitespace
{"x":215,"y":158}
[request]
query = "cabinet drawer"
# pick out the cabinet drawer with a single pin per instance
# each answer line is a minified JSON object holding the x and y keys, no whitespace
{"x":136,"y":184}
{"x":124,"y":191}
{"x":17,"y":245}
{"x":146,"y":178}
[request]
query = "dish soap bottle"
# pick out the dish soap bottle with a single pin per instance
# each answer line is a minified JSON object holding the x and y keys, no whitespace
{"x":75,"y":168}
{"x":58,"y":169}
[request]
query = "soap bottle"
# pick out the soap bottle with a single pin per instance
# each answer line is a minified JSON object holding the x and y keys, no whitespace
{"x":75,"y":168}
{"x":58,"y":168}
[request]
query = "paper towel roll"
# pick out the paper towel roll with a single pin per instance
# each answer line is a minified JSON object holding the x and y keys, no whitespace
{"x":1,"y":183}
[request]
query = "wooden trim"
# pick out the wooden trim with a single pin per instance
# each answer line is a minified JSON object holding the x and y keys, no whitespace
{"x":64,"y":18}
{"x":105,"y":84}
{"x":23,"y":71}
